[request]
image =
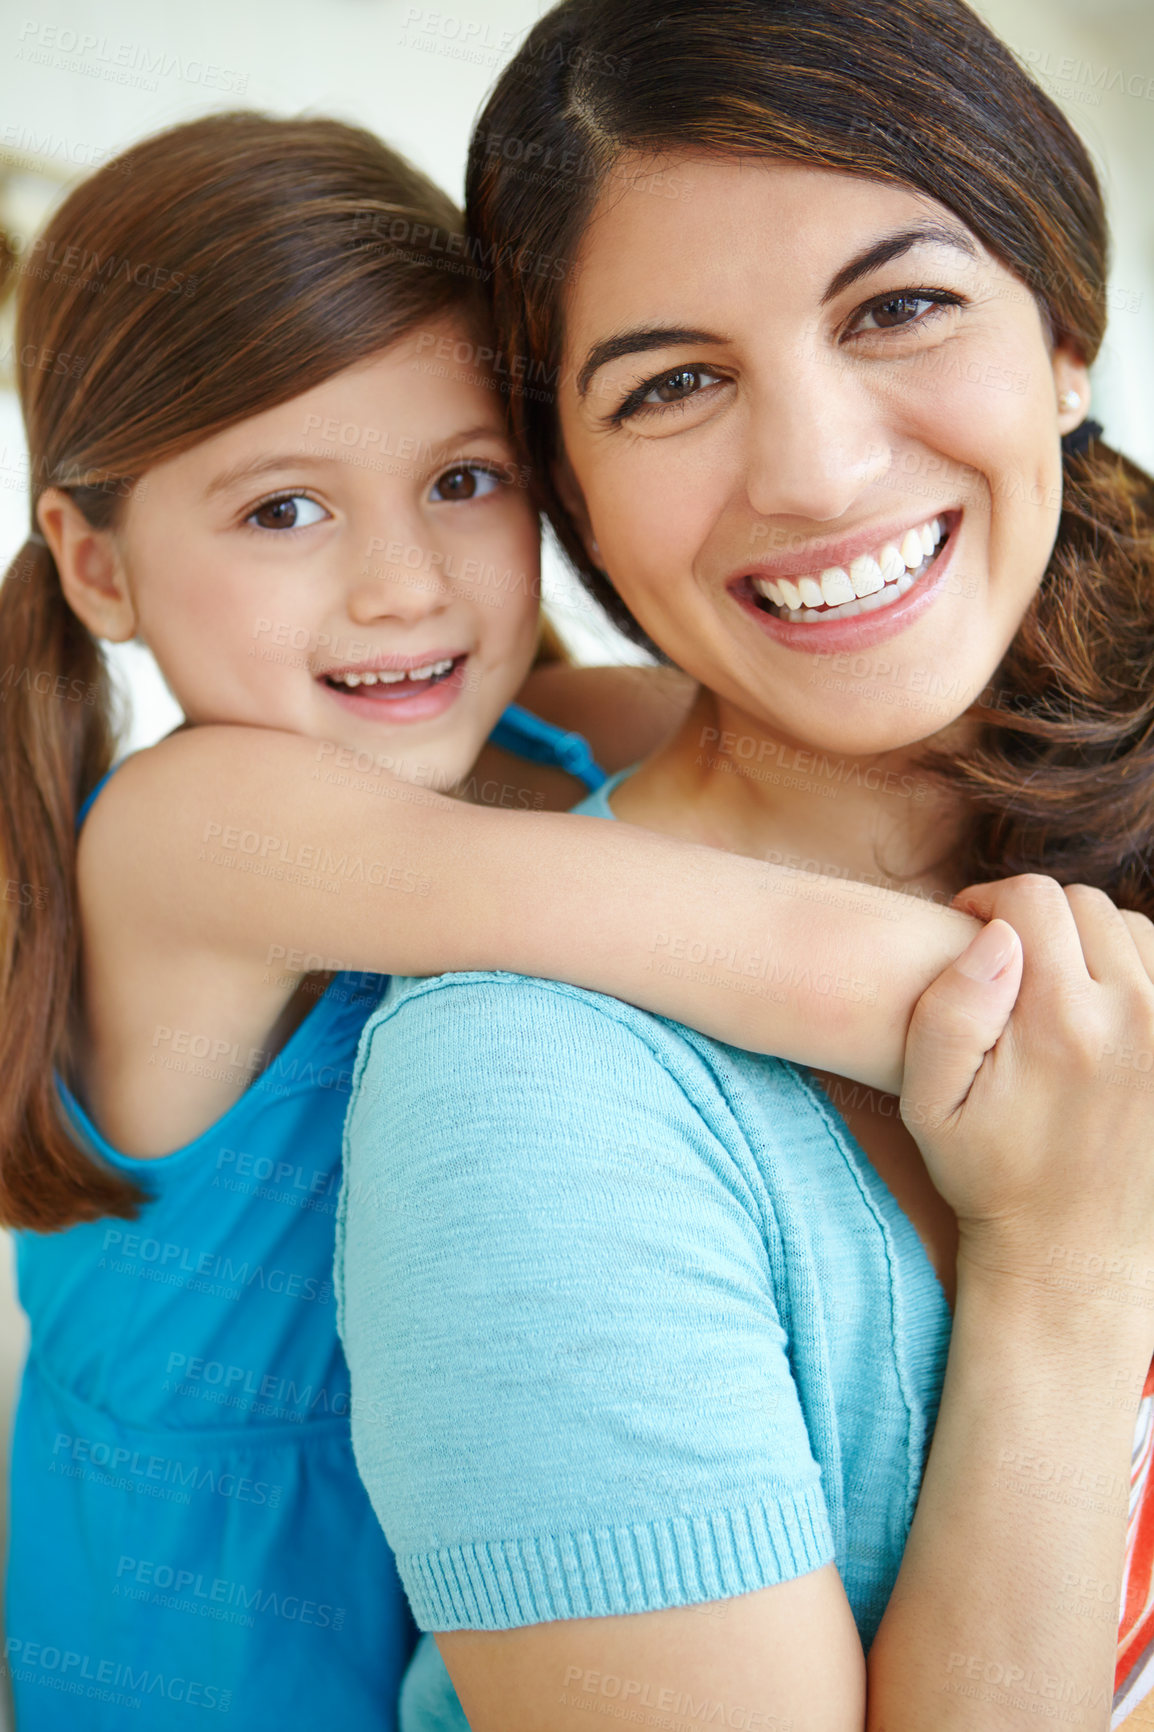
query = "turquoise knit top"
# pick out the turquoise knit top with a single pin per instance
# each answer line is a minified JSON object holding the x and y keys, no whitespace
{"x":631,"y":1319}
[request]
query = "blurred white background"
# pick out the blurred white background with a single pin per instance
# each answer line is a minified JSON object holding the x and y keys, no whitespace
{"x":81,"y":81}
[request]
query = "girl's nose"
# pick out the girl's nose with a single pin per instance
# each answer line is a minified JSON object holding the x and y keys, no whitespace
{"x":398,"y":579}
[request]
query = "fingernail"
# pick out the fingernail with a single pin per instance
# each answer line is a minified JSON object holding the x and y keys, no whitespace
{"x":989,"y":955}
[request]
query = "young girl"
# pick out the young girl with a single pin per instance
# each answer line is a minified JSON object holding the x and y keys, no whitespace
{"x":325,"y":540}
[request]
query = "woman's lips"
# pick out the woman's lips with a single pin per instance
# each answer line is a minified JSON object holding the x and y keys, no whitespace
{"x":400,"y":701}
{"x":819,"y":636}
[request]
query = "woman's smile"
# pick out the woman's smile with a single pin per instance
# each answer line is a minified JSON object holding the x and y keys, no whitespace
{"x":857,"y":598}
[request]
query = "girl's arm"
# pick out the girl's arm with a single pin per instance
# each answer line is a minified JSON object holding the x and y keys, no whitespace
{"x":239,"y":842}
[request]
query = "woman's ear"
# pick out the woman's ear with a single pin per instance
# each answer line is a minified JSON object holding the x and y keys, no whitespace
{"x":91,"y":569}
{"x":570,"y":494}
{"x":1071,"y":387}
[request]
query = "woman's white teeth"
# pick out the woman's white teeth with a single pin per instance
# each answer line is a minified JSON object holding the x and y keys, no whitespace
{"x":836,"y":586}
{"x":892,"y":564}
{"x":866,"y":575}
{"x":911,"y":549}
{"x":390,"y":676}
{"x":872,"y":581}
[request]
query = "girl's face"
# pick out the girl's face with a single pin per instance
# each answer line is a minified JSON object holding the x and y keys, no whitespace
{"x":359,"y":565}
{"x":785,"y":387}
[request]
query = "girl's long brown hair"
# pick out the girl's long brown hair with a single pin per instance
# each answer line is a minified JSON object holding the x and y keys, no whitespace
{"x":1061,"y":776}
{"x":242,"y":261}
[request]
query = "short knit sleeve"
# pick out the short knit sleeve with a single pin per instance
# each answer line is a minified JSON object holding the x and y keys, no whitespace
{"x":571,"y":1387}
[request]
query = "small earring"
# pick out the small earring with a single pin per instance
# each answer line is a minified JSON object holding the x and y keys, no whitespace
{"x":1069,"y":400}
{"x":594,"y":549}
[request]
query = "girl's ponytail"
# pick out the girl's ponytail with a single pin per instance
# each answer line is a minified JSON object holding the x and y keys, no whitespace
{"x":150,"y":333}
{"x":56,"y":741}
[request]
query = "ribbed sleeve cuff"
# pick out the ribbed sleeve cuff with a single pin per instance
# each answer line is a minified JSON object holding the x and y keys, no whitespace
{"x":605,"y":1572}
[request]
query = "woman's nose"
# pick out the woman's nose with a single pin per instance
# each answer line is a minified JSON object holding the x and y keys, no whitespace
{"x":813,"y":443}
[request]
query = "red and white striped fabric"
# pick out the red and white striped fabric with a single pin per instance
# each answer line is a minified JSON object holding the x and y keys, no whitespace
{"x":1134,"y":1669}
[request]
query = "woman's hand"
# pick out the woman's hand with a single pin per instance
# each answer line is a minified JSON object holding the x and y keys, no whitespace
{"x":1036,"y":1117}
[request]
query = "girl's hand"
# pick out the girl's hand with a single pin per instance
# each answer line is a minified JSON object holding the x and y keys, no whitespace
{"x":1036,"y":1117}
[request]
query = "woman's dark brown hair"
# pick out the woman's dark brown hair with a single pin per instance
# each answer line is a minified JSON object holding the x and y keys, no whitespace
{"x":242,"y":261}
{"x":1061,"y":777}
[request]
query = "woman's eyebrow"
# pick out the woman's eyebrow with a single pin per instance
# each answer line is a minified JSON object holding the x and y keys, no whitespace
{"x":879,"y":253}
{"x":892,"y":246}
{"x":636,"y":342}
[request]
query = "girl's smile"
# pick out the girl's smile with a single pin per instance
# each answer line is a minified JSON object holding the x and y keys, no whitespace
{"x":399,"y":689}
{"x":288,"y":576}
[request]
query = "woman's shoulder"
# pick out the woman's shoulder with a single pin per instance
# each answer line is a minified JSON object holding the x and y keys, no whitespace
{"x":528,"y":1050}
{"x":493,"y":1003}
{"x":453,"y":1033}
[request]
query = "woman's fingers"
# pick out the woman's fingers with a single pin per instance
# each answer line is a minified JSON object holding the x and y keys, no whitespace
{"x":1141,"y":931}
{"x":958,"y":1018}
{"x":1107,"y":943}
{"x":1047,"y":1147}
{"x":1109,"y":938}
{"x":1040,"y":913}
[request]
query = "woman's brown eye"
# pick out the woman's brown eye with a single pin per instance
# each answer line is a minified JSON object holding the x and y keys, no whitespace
{"x":899,"y":311}
{"x":676,"y":386}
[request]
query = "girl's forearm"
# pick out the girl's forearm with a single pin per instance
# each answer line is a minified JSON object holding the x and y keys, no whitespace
{"x":1021,"y":1521}
{"x":819,"y":970}
{"x":385,"y":876}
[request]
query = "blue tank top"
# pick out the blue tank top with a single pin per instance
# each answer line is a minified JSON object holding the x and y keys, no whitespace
{"x":189,"y":1535}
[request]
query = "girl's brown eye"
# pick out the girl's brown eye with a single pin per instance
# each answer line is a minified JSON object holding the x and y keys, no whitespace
{"x":290,"y":511}
{"x":464,"y":482}
{"x":458,"y":484}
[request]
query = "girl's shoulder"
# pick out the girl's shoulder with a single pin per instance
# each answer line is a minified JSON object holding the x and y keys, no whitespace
{"x":128,"y":822}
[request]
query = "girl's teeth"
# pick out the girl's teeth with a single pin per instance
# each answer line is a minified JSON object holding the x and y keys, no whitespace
{"x":870,"y":583}
{"x":391,"y":676}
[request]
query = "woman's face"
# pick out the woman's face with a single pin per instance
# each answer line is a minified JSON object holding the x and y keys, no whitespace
{"x":780,"y":387}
